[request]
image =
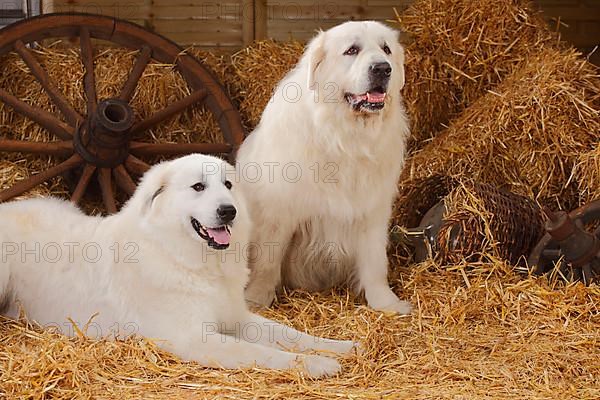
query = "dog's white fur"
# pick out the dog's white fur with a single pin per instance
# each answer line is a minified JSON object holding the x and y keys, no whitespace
{"x":328,"y":226}
{"x":173,"y":287}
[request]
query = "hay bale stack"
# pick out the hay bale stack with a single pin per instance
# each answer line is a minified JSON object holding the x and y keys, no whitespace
{"x":526,"y":136}
{"x":258,"y":68}
{"x":587,"y":174}
{"x":219,"y":64}
{"x":459,"y":50}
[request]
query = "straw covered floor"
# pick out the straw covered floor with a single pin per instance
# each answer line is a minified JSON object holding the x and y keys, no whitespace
{"x":480,"y":332}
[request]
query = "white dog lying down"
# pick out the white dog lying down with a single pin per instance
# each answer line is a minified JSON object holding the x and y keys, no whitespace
{"x":169,"y":265}
{"x":329,"y":150}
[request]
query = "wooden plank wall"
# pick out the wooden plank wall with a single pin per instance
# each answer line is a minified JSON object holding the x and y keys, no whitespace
{"x":205,"y":23}
{"x":299,"y":19}
{"x":133,"y":10}
{"x":233,"y":23}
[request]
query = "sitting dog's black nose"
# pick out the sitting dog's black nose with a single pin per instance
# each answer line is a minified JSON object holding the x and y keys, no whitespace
{"x":226,"y":213}
{"x":381,"y":70}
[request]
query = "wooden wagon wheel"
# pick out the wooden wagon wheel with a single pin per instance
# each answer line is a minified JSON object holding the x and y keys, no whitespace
{"x":100,"y":142}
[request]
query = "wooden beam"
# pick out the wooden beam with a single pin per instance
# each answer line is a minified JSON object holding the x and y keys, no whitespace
{"x":260,"y":19}
{"x":248,"y":22}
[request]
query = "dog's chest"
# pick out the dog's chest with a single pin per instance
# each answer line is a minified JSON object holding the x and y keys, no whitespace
{"x":356,"y":188}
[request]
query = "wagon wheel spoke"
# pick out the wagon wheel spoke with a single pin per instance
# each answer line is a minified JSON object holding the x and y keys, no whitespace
{"x":83,"y":183}
{"x":140,"y":65}
{"x":124,"y":180}
{"x":89,"y":80}
{"x":174,"y":149}
{"x":24,"y":185}
{"x":108,"y":196}
{"x":36,"y":114}
{"x":136,"y":166}
{"x":169,"y":111}
{"x":42,"y":77}
{"x":61,"y":148}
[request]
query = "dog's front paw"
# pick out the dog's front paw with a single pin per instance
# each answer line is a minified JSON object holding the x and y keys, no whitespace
{"x":389,"y":302}
{"x":398,"y":306}
{"x":319,"y":366}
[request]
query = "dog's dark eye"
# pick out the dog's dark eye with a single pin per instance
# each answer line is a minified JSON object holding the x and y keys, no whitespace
{"x":198,"y":187}
{"x":386,"y":49}
{"x":228,"y":185}
{"x":352,"y":51}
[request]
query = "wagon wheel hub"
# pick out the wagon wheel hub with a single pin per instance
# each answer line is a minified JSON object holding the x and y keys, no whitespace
{"x":103,"y":139}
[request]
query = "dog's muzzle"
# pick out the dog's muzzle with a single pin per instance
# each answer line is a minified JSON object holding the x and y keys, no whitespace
{"x":373,"y":99}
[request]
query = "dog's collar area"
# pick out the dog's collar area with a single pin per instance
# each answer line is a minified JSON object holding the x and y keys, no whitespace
{"x":370,"y":101}
{"x":218,"y":238}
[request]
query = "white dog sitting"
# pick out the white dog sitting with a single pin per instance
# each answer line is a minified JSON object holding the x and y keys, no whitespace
{"x":320,"y":170}
{"x":170,"y":265}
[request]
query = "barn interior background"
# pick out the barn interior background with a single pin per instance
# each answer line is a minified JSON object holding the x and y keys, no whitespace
{"x":485,"y":77}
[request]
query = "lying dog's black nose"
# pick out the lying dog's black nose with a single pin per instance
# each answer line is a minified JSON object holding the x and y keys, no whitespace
{"x":381,"y":70}
{"x":226,"y":213}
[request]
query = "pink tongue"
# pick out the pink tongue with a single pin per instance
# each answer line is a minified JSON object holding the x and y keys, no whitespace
{"x":221,"y":236}
{"x":375,"y":97}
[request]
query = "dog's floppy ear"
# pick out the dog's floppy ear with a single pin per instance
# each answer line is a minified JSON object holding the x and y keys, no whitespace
{"x":316,"y":54}
{"x":152,"y":184}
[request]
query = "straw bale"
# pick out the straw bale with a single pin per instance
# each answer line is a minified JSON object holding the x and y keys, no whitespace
{"x":526,"y":135}
{"x":458,"y":50}
{"x":478,"y":333}
{"x":217,"y":61}
{"x":258,"y":68}
{"x":587,"y":174}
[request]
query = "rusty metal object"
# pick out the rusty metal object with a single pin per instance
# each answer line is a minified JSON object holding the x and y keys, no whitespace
{"x":424,"y":238}
{"x":99,"y":143}
{"x":516,"y":226}
{"x":571,"y":245}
